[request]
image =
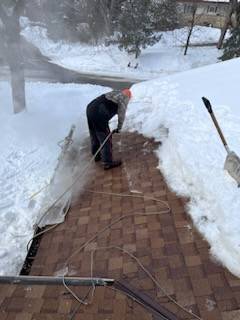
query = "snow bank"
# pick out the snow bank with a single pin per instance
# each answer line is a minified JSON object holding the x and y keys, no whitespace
{"x":163,"y":58}
{"x":29,"y":155}
{"x":192,"y":155}
{"x":79,"y":57}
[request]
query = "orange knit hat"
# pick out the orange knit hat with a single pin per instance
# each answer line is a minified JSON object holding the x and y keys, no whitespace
{"x":127,"y":93}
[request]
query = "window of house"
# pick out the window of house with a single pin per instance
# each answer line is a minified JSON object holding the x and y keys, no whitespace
{"x":212,"y":9}
{"x":188,"y":8}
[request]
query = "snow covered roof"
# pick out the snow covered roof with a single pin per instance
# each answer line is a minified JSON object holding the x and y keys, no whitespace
{"x":199,"y":1}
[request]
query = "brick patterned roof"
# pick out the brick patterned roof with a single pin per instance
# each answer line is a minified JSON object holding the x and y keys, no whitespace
{"x":167,"y":245}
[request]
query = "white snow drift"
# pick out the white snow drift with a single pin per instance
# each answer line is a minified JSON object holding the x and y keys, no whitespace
{"x":29,"y":155}
{"x":192,"y":155}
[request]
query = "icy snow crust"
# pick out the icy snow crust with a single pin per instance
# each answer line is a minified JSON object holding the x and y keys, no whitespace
{"x":29,"y":155}
{"x":192,"y":155}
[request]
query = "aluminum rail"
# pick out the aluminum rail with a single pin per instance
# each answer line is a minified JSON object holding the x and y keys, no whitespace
{"x":42,"y":280}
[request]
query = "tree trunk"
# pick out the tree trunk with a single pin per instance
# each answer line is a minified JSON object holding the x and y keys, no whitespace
{"x":190,"y":30}
{"x":233,"y":5}
{"x":17,"y":82}
{"x":111,"y":13}
{"x":105,"y":14}
{"x":137,"y":51}
{"x":14,"y":57}
{"x":16,"y":65}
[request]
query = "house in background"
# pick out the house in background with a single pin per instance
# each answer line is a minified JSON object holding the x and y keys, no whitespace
{"x":208,"y":12}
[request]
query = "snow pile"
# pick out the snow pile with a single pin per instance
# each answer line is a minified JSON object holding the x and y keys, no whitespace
{"x":29,"y":156}
{"x":200,"y":35}
{"x":163,"y":58}
{"x":192,"y":155}
{"x":166,"y":57}
{"x":73,"y":56}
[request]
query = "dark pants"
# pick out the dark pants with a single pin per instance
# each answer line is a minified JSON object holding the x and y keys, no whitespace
{"x":99,"y":112}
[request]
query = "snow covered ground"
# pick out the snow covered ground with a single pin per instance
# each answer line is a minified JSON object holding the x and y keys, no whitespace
{"x":29,"y":155}
{"x":165,"y":57}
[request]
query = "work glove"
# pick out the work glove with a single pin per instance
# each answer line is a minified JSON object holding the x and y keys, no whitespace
{"x":115,"y":131}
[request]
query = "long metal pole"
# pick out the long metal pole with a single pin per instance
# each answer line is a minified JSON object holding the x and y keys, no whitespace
{"x":42,"y":280}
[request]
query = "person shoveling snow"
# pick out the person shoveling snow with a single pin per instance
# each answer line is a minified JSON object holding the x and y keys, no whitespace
{"x":99,"y":112}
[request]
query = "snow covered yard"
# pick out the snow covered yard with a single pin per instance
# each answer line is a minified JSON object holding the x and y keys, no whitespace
{"x":165,"y":57}
{"x":192,"y":155}
{"x":29,"y":155}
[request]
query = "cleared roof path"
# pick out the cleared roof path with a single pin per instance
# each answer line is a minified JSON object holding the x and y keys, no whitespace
{"x":165,"y":243}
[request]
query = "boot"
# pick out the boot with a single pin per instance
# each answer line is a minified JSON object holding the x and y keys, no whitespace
{"x":112,"y":164}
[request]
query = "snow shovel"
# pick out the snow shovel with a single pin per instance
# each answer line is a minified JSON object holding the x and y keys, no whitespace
{"x":232,"y":162}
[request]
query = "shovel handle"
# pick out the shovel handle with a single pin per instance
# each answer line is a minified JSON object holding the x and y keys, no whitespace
{"x":209,"y":108}
{"x":207,"y":105}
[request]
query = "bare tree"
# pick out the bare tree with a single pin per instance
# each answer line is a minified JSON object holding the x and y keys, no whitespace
{"x":192,"y":23}
{"x":105,"y":11}
{"x":106,"y":8}
{"x":232,"y":10}
{"x":9,"y":14}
